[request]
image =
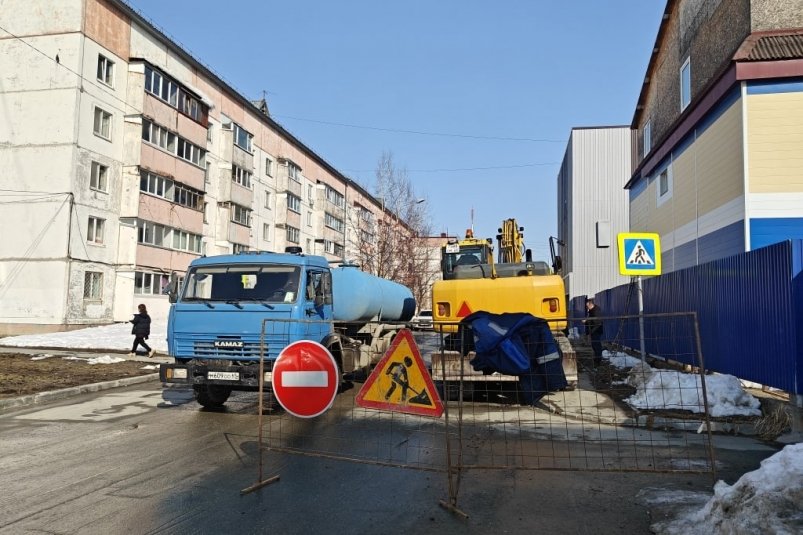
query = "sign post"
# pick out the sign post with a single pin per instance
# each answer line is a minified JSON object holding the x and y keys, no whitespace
{"x":639,"y":254}
{"x":305,"y":379}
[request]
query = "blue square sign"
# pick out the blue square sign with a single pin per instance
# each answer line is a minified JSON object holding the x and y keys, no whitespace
{"x":639,"y":253}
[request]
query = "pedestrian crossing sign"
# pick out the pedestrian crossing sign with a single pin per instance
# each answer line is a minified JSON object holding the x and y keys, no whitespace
{"x":401,"y":382}
{"x":639,"y":253}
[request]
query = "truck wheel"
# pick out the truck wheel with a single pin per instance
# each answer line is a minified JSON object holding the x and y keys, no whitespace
{"x":211,"y":396}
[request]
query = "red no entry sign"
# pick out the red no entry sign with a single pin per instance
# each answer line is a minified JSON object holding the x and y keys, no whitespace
{"x":305,"y":379}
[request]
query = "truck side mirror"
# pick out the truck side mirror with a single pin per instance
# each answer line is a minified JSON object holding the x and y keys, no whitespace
{"x":172,"y":288}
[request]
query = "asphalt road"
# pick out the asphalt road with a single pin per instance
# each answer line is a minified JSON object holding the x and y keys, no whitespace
{"x":144,"y":459}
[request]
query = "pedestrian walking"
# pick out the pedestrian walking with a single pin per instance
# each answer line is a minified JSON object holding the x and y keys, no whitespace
{"x":594,"y":329}
{"x":141,"y":330}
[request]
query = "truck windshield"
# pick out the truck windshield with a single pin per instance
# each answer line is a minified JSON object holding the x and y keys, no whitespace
{"x":264,"y":284}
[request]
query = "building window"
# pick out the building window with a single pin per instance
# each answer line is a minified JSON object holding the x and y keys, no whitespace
{"x":664,"y":188}
{"x":647,"y":138}
{"x":333,"y":248}
{"x":268,"y":167}
{"x":309,"y":218}
{"x":293,"y":203}
{"x":105,"y":70}
{"x":267,"y":199}
{"x":335,"y":197}
{"x":237,"y":248}
{"x":334,"y":222}
{"x":293,"y":172}
{"x":161,"y":236}
{"x":170,"y":190}
{"x":164,"y":88}
{"x":176,"y":145}
{"x":150,"y":283}
{"x":206,"y":209}
{"x":94,"y":230}
{"x":241,"y":176}
{"x":293,"y":234}
{"x":310,"y":197}
{"x":685,"y":84}
{"x":241,"y":215}
{"x":185,"y":241}
{"x":103,"y":123}
{"x":159,"y":136}
{"x":266,"y":231}
{"x":242,"y":138}
{"x":93,"y":285}
{"x":98,"y":177}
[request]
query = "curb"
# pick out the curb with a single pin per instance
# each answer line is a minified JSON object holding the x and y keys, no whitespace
{"x":64,"y":393}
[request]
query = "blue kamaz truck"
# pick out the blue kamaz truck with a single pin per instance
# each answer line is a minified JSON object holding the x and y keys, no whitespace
{"x":230,"y":309}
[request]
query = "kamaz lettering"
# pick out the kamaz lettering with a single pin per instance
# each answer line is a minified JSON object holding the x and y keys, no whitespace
{"x":229,"y":343}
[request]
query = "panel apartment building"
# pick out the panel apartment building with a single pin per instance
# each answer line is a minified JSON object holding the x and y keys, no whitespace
{"x":123,"y":158}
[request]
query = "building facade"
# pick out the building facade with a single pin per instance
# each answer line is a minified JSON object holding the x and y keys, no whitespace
{"x":593,"y":208}
{"x":718,"y":170}
{"x":124,"y":158}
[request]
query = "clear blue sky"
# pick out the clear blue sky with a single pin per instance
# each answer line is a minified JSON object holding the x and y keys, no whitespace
{"x":520,"y":70}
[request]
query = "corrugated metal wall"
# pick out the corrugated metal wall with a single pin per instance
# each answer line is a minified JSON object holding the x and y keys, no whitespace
{"x":596,"y":166}
{"x":749,"y":309}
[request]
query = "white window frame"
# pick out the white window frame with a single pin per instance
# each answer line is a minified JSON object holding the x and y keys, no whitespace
{"x":150,"y":282}
{"x":241,"y":176}
{"x":240,"y":215}
{"x":309,"y":218}
{"x":269,"y":167}
{"x":661,"y":198}
{"x":93,"y":286}
{"x":293,"y":235}
{"x":647,"y":137}
{"x":105,"y":70}
{"x":238,"y":132}
{"x":266,"y":231}
{"x":94,"y":230}
{"x":293,"y":203}
{"x":267,"y":200}
{"x":102,"y":120}
{"x":293,"y":172}
{"x":99,"y":177}
{"x":685,"y":84}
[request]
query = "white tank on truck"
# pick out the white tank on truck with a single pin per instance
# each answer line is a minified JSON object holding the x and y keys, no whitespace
{"x":215,"y":326}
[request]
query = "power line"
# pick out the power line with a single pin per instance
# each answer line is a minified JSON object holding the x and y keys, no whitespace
{"x":491,"y":167}
{"x":422,"y":132}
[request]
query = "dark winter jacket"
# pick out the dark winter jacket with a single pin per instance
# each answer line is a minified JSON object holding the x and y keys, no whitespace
{"x":142,"y":325}
{"x":593,"y":323}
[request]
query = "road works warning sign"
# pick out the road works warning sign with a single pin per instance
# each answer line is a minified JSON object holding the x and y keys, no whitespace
{"x":639,"y":253}
{"x":401,"y":382}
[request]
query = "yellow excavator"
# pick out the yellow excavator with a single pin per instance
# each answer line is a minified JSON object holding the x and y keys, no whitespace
{"x":472,"y":281}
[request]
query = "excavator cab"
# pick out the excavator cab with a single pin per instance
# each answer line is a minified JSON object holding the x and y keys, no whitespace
{"x":466,"y":258}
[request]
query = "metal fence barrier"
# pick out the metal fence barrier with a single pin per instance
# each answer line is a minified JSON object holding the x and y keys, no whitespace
{"x":567,"y":414}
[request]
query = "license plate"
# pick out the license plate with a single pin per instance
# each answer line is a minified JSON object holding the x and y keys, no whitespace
{"x":223,"y":376}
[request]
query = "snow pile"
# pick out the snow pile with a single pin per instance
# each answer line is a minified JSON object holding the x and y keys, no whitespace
{"x":767,"y":500}
{"x":115,"y":337}
{"x":666,"y":389}
{"x":621,"y":360}
{"x":105,"y":359}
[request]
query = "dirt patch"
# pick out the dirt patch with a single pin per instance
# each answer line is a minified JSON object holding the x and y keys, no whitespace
{"x":21,"y":375}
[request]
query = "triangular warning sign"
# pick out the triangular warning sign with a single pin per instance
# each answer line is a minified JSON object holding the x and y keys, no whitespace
{"x":401,"y":382}
{"x":464,"y":310}
{"x":640,"y":256}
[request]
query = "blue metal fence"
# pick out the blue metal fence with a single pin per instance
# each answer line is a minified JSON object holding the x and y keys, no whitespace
{"x":749,"y":307}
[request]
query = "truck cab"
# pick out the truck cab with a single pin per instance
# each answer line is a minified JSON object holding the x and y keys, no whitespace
{"x":231,"y":309}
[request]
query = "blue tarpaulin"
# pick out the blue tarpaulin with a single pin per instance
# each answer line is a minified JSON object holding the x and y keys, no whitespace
{"x":518,"y":344}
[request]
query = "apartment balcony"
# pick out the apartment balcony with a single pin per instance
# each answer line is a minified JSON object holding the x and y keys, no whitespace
{"x":165,"y":115}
